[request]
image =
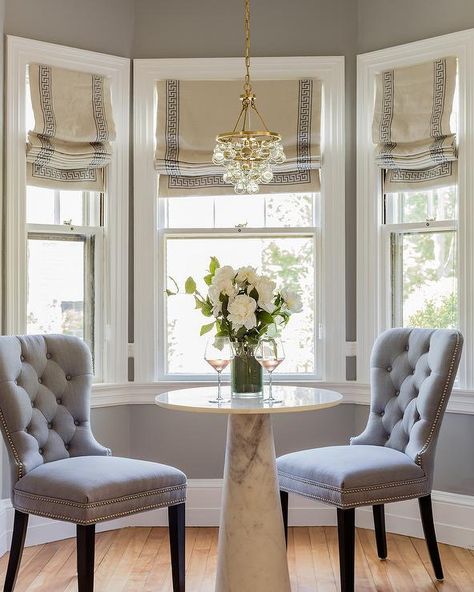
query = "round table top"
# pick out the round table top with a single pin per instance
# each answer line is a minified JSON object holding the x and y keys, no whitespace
{"x":293,"y":399}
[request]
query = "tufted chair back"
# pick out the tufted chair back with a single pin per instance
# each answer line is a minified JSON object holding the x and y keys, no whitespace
{"x":45,"y":385}
{"x":412,"y":373}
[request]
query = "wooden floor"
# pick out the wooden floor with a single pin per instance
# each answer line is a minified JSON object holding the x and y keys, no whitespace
{"x":137,"y":559}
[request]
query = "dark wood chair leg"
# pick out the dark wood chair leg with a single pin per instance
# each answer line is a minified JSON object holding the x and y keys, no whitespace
{"x":20,"y":526}
{"x":380,"y":535}
{"x":426,"y":512}
{"x":284,"y":511}
{"x":346,"y":536}
{"x":176,"y":519}
{"x":85,"y":557}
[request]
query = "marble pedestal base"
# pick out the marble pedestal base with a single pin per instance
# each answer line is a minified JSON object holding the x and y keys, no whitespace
{"x":251,"y":552}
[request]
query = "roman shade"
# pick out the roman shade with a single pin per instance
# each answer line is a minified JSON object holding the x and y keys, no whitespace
{"x":191,"y":114}
{"x":69,"y":146}
{"x":416,"y":145}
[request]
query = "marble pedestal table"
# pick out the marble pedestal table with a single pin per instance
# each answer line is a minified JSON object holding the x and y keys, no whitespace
{"x":251,"y":551}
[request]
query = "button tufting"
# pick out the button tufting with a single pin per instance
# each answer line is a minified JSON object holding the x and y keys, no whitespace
{"x":59,"y":401}
{"x":32,"y":403}
{"x":77,"y":422}
{"x":22,"y":358}
{"x":41,"y":451}
{"x":50,"y":425}
{"x":382,"y":413}
{"x":49,"y":356}
{"x":397,"y":393}
{"x":389,"y":369}
{"x":406,"y":348}
{"x":40,"y":380}
{"x":15,"y":381}
{"x":68,"y":377}
{"x":66,"y":446}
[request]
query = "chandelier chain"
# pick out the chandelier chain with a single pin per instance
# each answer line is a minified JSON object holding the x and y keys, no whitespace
{"x":247,"y":84}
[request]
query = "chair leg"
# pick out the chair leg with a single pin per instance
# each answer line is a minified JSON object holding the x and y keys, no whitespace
{"x":380,"y":535}
{"x":346,"y":536}
{"x":426,"y":512}
{"x":85,"y":536}
{"x":176,"y":520}
{"x":284,"y":511}
{"x":20,"y":526}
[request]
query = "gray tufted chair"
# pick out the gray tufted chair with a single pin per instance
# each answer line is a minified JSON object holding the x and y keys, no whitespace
{"x":58,"y":469}
{"x":412,"y":375}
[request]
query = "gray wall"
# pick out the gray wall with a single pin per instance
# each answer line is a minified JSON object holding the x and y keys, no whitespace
{"x":99,"y":25}
{"x":208,"y":28}
{"x":196,"y":442}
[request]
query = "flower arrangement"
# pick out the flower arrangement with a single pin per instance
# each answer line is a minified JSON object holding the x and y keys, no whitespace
{"x":245,"y":305}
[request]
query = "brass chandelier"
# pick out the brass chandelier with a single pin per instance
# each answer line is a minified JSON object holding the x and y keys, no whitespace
{"x":246,"y":154}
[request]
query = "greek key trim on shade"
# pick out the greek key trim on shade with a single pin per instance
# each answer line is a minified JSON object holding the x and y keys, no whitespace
{"x":188,"y":121}
{"x":70,"y":145}
{"x":412,"y":128}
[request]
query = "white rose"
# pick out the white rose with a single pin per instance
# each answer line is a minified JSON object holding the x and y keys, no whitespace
{"x":224,"y":274}
{"x":242,"y":312}
{"x":222,"y":283}
{"x":292,"y":300}
{"x":265,"y":288}
{"x":246,"y":274}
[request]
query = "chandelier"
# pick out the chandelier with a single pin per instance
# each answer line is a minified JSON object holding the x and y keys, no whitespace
{"x":248,"y":154}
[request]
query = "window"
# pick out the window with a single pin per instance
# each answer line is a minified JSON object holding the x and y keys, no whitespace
{"x":421,"y":234}
{"x":416,"y":249}
{"x":66,"y":252}
{"x":64,"y":249}
{"x":277,"y":234}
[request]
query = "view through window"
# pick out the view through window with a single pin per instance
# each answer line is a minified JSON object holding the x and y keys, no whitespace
{"x":277,"y":234}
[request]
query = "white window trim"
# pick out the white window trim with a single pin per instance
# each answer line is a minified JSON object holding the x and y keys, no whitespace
{"x":328,"y":69}
{"x":373,"y":281}
{"x":114,"y":291}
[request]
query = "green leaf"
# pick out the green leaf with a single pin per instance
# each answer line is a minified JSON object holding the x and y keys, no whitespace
{"x":172,"y":292}
{"x":208,"y":279}
{"x":206,"y":328}
{"x":254,"y":294}
{"x":190,"y":286}
{"x":214,"y":265}
{"x":199,"y":303}
{"x":265,"y":317}
{"x":206,"y":309}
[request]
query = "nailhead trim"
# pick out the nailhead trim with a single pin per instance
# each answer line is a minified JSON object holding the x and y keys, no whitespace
{"x":434,"y":425}
{"x":107,"y":502}
{"x":356,"y":504}
{"x":353,"y":489}
{"x":102,"y":519}
{"x":16,"y":456}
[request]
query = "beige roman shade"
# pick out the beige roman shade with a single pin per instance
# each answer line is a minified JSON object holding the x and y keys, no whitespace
{"x":69,"y":146}
{"x":412,"y":129}
{"x":192,"y":113}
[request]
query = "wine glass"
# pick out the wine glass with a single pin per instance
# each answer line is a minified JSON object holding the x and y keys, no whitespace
{"x":270,"y":354}
{"x":219,"y":353}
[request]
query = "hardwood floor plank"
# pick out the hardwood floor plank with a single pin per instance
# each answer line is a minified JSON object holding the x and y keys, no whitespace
{"x":378,"y":568}
{"x":321,"y":561}
{"x":305,"y":574}
{"x":138,"y":560}
{"x":450,"y":582}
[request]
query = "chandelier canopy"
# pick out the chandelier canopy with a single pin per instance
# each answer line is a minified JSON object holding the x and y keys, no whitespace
{"x":248,"y":154}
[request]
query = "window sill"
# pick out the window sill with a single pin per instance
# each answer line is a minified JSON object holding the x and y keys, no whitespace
{"x":355,"y":393}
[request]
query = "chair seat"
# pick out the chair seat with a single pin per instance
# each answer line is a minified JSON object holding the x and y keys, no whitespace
{"x":90,"y":489}
{"x":350,"y":476}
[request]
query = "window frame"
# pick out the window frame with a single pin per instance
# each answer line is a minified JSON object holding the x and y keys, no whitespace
{"x":374,"y":283}
{"x":112,"y":287}
{"x":148,"y":311}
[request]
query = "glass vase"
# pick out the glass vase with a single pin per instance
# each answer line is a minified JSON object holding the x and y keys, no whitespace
{"x":246,"y":372}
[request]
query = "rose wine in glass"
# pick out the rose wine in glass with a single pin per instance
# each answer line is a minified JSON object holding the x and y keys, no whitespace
{"x":219,"y":353}
{"x":270,"y":354}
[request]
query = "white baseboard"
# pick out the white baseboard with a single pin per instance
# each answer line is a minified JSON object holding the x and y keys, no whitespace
{"x":454,"y":517}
